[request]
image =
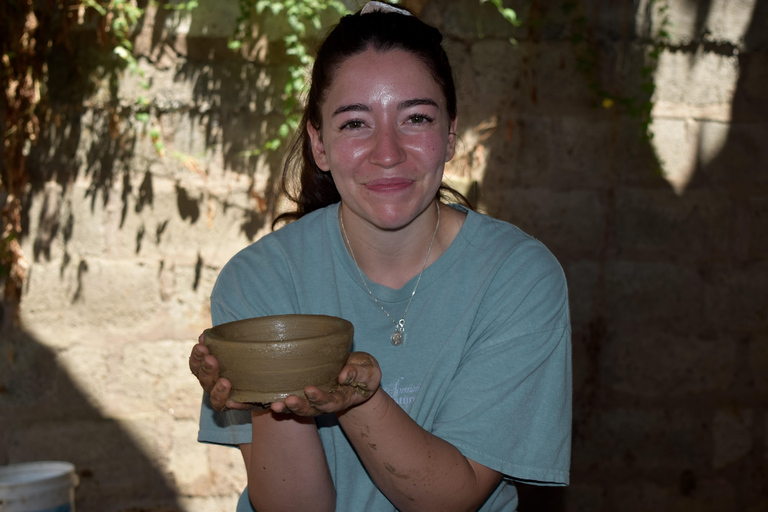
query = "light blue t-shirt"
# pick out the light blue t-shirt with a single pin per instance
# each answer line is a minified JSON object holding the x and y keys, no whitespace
{"x":486,"y":361}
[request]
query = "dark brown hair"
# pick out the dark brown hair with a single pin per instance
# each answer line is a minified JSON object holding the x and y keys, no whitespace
{"x":303,"y":182}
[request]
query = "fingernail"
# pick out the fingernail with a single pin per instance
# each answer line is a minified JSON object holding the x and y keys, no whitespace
{"x":219,"y":386}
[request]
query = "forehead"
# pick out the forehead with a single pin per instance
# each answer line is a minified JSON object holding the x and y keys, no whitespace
{"x":376,"y":75}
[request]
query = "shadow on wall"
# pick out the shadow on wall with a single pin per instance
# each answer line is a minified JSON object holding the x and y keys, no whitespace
{"x":233,"y":102}
{"x":90,"y":133}
{"x":45,"y":416}
{"x":667,"y":291}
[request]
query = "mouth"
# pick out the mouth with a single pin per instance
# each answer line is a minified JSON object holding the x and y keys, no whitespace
{"x":388,"y":184}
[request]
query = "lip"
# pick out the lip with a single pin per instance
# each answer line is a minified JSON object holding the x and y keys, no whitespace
{"x":389,"y":184}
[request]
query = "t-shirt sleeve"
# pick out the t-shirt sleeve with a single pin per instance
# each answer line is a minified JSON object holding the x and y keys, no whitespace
{"x":509,"y":403}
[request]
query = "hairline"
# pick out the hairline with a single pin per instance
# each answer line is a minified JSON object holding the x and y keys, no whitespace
{"x":382,"y":49}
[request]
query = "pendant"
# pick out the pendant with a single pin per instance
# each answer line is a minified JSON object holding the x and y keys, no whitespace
{"x":397,"y":336}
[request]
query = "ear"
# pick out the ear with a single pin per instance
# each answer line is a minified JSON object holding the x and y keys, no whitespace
{"x":450,"y":150}
{"x":318,"y":148}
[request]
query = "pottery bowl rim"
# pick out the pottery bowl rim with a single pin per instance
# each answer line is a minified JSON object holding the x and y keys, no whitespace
{"x":249,"y":331}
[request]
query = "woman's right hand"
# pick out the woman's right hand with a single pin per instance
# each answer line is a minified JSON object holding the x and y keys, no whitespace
{"x":205,"y":367}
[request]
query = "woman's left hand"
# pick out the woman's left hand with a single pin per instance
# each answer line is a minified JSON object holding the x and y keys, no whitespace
{"x":358,"y":381}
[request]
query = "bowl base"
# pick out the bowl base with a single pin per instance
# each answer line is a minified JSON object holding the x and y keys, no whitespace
{"x":263,"y":399}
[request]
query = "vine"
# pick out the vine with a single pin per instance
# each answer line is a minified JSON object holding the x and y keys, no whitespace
{"x":302,"y":17}
{"x":638,"y":106}
{"x":25,"y":45}
{"x":508,"y":14}
{"x":24,"y":42}
{"x":30,"y":30}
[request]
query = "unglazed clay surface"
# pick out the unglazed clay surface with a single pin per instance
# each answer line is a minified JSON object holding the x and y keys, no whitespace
{"x":269,"y":358}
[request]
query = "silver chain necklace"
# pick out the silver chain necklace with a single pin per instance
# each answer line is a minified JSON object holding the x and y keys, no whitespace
{"x":397,"y":337}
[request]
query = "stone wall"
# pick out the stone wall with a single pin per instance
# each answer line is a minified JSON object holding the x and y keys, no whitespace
{"x":663,"y":242}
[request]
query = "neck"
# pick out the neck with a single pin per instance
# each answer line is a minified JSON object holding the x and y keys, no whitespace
{"x":393,"y":258}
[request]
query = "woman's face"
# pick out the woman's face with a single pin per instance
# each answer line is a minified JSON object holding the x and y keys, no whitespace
{"x":385,"y":137}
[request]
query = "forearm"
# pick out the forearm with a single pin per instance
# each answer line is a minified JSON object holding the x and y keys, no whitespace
{"x":416,"y":470}
{"x":287,"y":468}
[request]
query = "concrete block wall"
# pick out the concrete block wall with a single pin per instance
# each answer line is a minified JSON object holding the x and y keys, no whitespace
{"x":667,"y":264}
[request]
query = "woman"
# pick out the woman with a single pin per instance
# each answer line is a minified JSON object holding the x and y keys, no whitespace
{"x":462,"y":333}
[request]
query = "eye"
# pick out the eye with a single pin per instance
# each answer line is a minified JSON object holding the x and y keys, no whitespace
{"x":420,"y":119}
{"x":352,"y":124}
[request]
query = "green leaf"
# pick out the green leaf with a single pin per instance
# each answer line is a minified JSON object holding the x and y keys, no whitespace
{"x":510,"y":16}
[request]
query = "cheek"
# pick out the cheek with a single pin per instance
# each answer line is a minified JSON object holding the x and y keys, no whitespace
{"x":431,"y":147}
{"x":347,"y":150}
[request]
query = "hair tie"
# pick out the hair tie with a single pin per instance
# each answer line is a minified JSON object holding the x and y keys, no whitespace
{"x":382,"y":7}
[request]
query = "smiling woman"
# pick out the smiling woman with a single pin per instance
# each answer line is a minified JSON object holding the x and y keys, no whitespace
{"x":474,"y":391}
{"x":386,"y":139}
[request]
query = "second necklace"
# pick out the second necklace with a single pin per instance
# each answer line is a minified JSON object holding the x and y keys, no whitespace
{"x":397,"y":337}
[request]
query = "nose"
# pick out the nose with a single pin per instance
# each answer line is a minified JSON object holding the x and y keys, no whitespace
{"x":387,"y":150}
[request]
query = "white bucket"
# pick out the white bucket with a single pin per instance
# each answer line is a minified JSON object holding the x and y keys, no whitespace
{"x":38,"y":487}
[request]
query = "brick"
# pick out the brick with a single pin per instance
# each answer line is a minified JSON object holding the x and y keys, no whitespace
{"x":564,"y":152}
{"x":626,"y":440}
{"x":589,"y":152}
{"x":158,"y":370}
{"x":91,"y":294}
{"x":568,"y":222}
{"x":584,"y":498}
{"x":738,"y":167}
{"x":699,"y":226}
{"x":92,"y":368}
{"x":707,"y":496}
{"x":658,"y":364}
{"x":703,"y":78}
{"x":676,"y":142}
{"x":735,"y":298}
{"x":666,"y":296}
{"x":758,"y":362}
{"x":214,"y":503}
{"x":466,"y":20}
{"x":495,"y":62}
{"x":732,"y":436}
{"x":187,"y":460}
{"x":583,"y":277}
{"x":228,"y":475}
{"x":758,"y":227}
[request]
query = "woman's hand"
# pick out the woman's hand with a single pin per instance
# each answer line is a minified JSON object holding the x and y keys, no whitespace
{"x":205,"y":367}
{"x":358,"y":381}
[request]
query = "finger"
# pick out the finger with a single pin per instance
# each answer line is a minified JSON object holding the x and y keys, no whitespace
{"x":318,"y":398}
{"x":209,"y":373}
{"x":220,"y":395}
{"x":238,"y":406}
{"x":361,"y":359}
{"x":300,"y":406}
{"x":340,"y":399}
{"x":279,"y":408}
{"x":361,"y":377}
{"x":199,"y":351}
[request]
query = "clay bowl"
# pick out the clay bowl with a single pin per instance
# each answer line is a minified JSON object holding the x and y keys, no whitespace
{"x":268,"y":358}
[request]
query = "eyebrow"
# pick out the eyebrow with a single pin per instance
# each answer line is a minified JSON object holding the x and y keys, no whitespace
{"x":360,"y":107}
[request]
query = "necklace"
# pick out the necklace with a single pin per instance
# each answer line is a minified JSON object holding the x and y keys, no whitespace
{"x":397,"y":337}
